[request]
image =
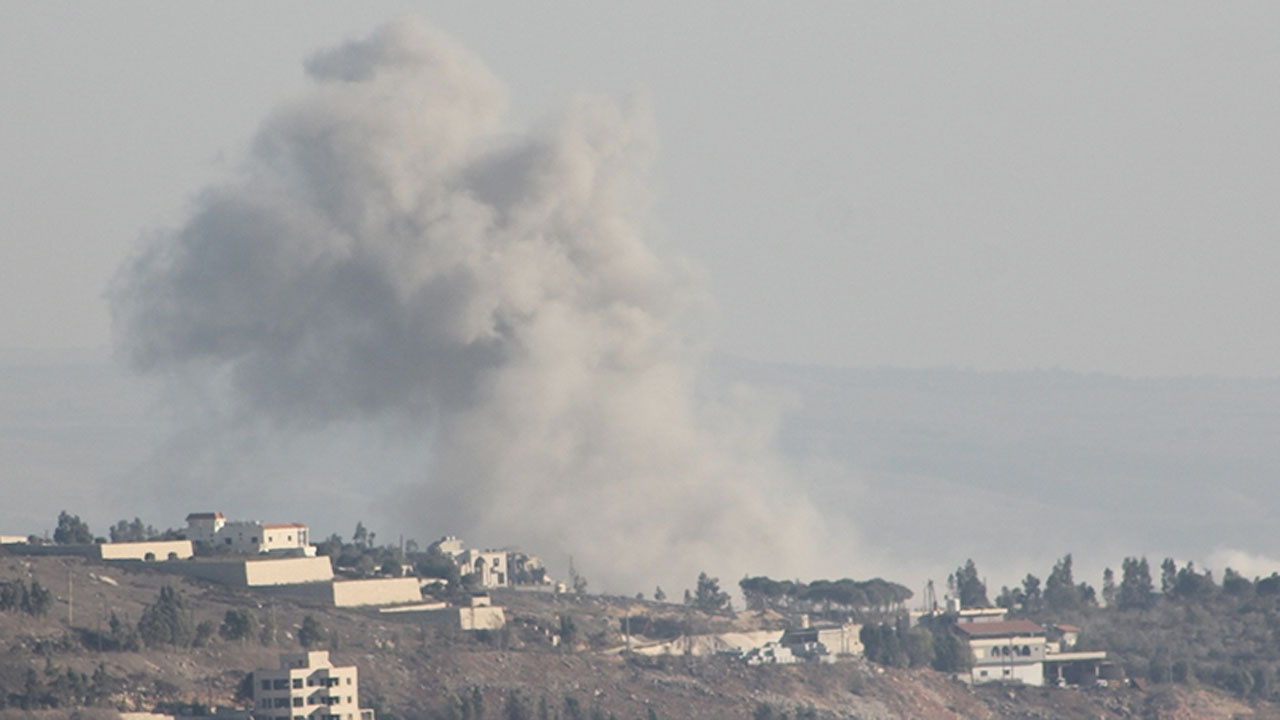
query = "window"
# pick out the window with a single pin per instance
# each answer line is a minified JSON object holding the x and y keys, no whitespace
{"x":297,"y":702}
{"x":282,"y":702}
{"x":280,"y":684}
{"x":1026,"y":650}
{"x":983,"y":673}
{"x":348,"y":681}
{"x":297,"y":682}
{"x":266,"y":684}
{"x":995,"y":652}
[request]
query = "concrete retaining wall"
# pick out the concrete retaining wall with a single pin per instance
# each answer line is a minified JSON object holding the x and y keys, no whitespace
{"x":377,"y":591}
{"x":159,"y":550}
{"x":241,"y":572}
{"x":287,"y":571}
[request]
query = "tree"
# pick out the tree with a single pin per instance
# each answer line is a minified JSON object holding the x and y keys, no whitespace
{"x":361,"y":535}
{"x":918,"y":644}
{"x":38,"y":600}
{"x":951,"y":653}
{"x":267,"y":636}
{"x":881,"y":644}
{"x":71,"y":530}
{"x":136,"y":531}
{"x":1189,"y":584}
{"x":568,"y":630}
{"x":518,"y":706}
{"x":708,"y":597}
{"x":311,"y":633}
{"x":237,"y":626}
{"x":1032,"y":598}
{"x":1135,"y":592}
{"x":1109,"y":587}
{"x":1235,"y":584}
{"x":167,"y":621}
{"x":205,"y":630}
{"x":969,"y":586}
{"x":658,"y":595}
{"x":1168,"y":576}
{"x":1060,"y":591}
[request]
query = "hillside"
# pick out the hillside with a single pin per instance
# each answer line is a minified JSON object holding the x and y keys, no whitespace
{"x":410,"y":670}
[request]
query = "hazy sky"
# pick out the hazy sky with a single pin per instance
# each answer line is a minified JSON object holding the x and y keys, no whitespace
{"x":1088,"y":186}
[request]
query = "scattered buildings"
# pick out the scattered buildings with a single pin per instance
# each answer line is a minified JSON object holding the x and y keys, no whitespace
{"x":496,"y":568}
{"x":824,"y":642}
{"x":307,"y":685}
{"x":1022,"y":651}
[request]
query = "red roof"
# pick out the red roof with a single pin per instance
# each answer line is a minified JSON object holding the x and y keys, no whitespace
{"x":281,"y":526}
{"x":206,"y":516}
{"x":1064,"y":627}
{"x":1003,"y":628}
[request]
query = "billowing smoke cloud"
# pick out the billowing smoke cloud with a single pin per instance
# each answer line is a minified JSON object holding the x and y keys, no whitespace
{"x":389,"y":251}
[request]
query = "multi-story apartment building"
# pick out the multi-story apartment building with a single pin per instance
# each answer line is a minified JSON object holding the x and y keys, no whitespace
{"x":307,"y":686}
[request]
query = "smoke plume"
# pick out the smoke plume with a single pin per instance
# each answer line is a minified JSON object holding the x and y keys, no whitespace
{"x":391,"y":251}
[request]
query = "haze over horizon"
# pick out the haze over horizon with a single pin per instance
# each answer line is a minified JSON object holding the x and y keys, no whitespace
{"x":1006,"y":188}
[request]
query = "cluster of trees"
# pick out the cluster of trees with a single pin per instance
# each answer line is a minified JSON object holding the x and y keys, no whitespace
{"x":1174,"y":624}
{"x":821,"y":596}
{"x":71,"y":530}
{"x":898,"y":644}
{"x":135,"y":531}
{"x":55,"y":688}
{"x":1060,"y":592}
{"x":16,"y":596}
{"x":169,"y":621}
{"x":518,"y":705}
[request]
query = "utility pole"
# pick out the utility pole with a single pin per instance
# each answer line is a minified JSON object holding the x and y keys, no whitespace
{"x":71,"y":600}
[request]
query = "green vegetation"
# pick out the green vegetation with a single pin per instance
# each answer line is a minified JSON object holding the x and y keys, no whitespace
{"x":71,"y":530}
{"x":167,"y":621}
{"x":709,"y":598}
{"x":312,"y":633}
{"x":15,"y":596}
{"x":238,"y":626}
{"x":845,"y":597}
{"x":1192,"y":630}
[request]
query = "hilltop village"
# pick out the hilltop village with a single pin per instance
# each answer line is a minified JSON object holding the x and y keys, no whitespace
{"x":243,"y":619}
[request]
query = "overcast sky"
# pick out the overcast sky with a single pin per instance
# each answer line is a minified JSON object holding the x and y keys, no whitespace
{"x":994,"y":186}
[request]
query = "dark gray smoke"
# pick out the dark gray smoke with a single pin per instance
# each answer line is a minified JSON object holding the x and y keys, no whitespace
{"x":388,"y":252}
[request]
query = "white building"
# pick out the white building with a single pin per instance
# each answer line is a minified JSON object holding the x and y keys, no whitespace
{"x":249,"y":536}
{"x":488,"y":566}
{"x":1005,"y":651}
{"x":308,"y":686}
{"x":203,"y":527}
